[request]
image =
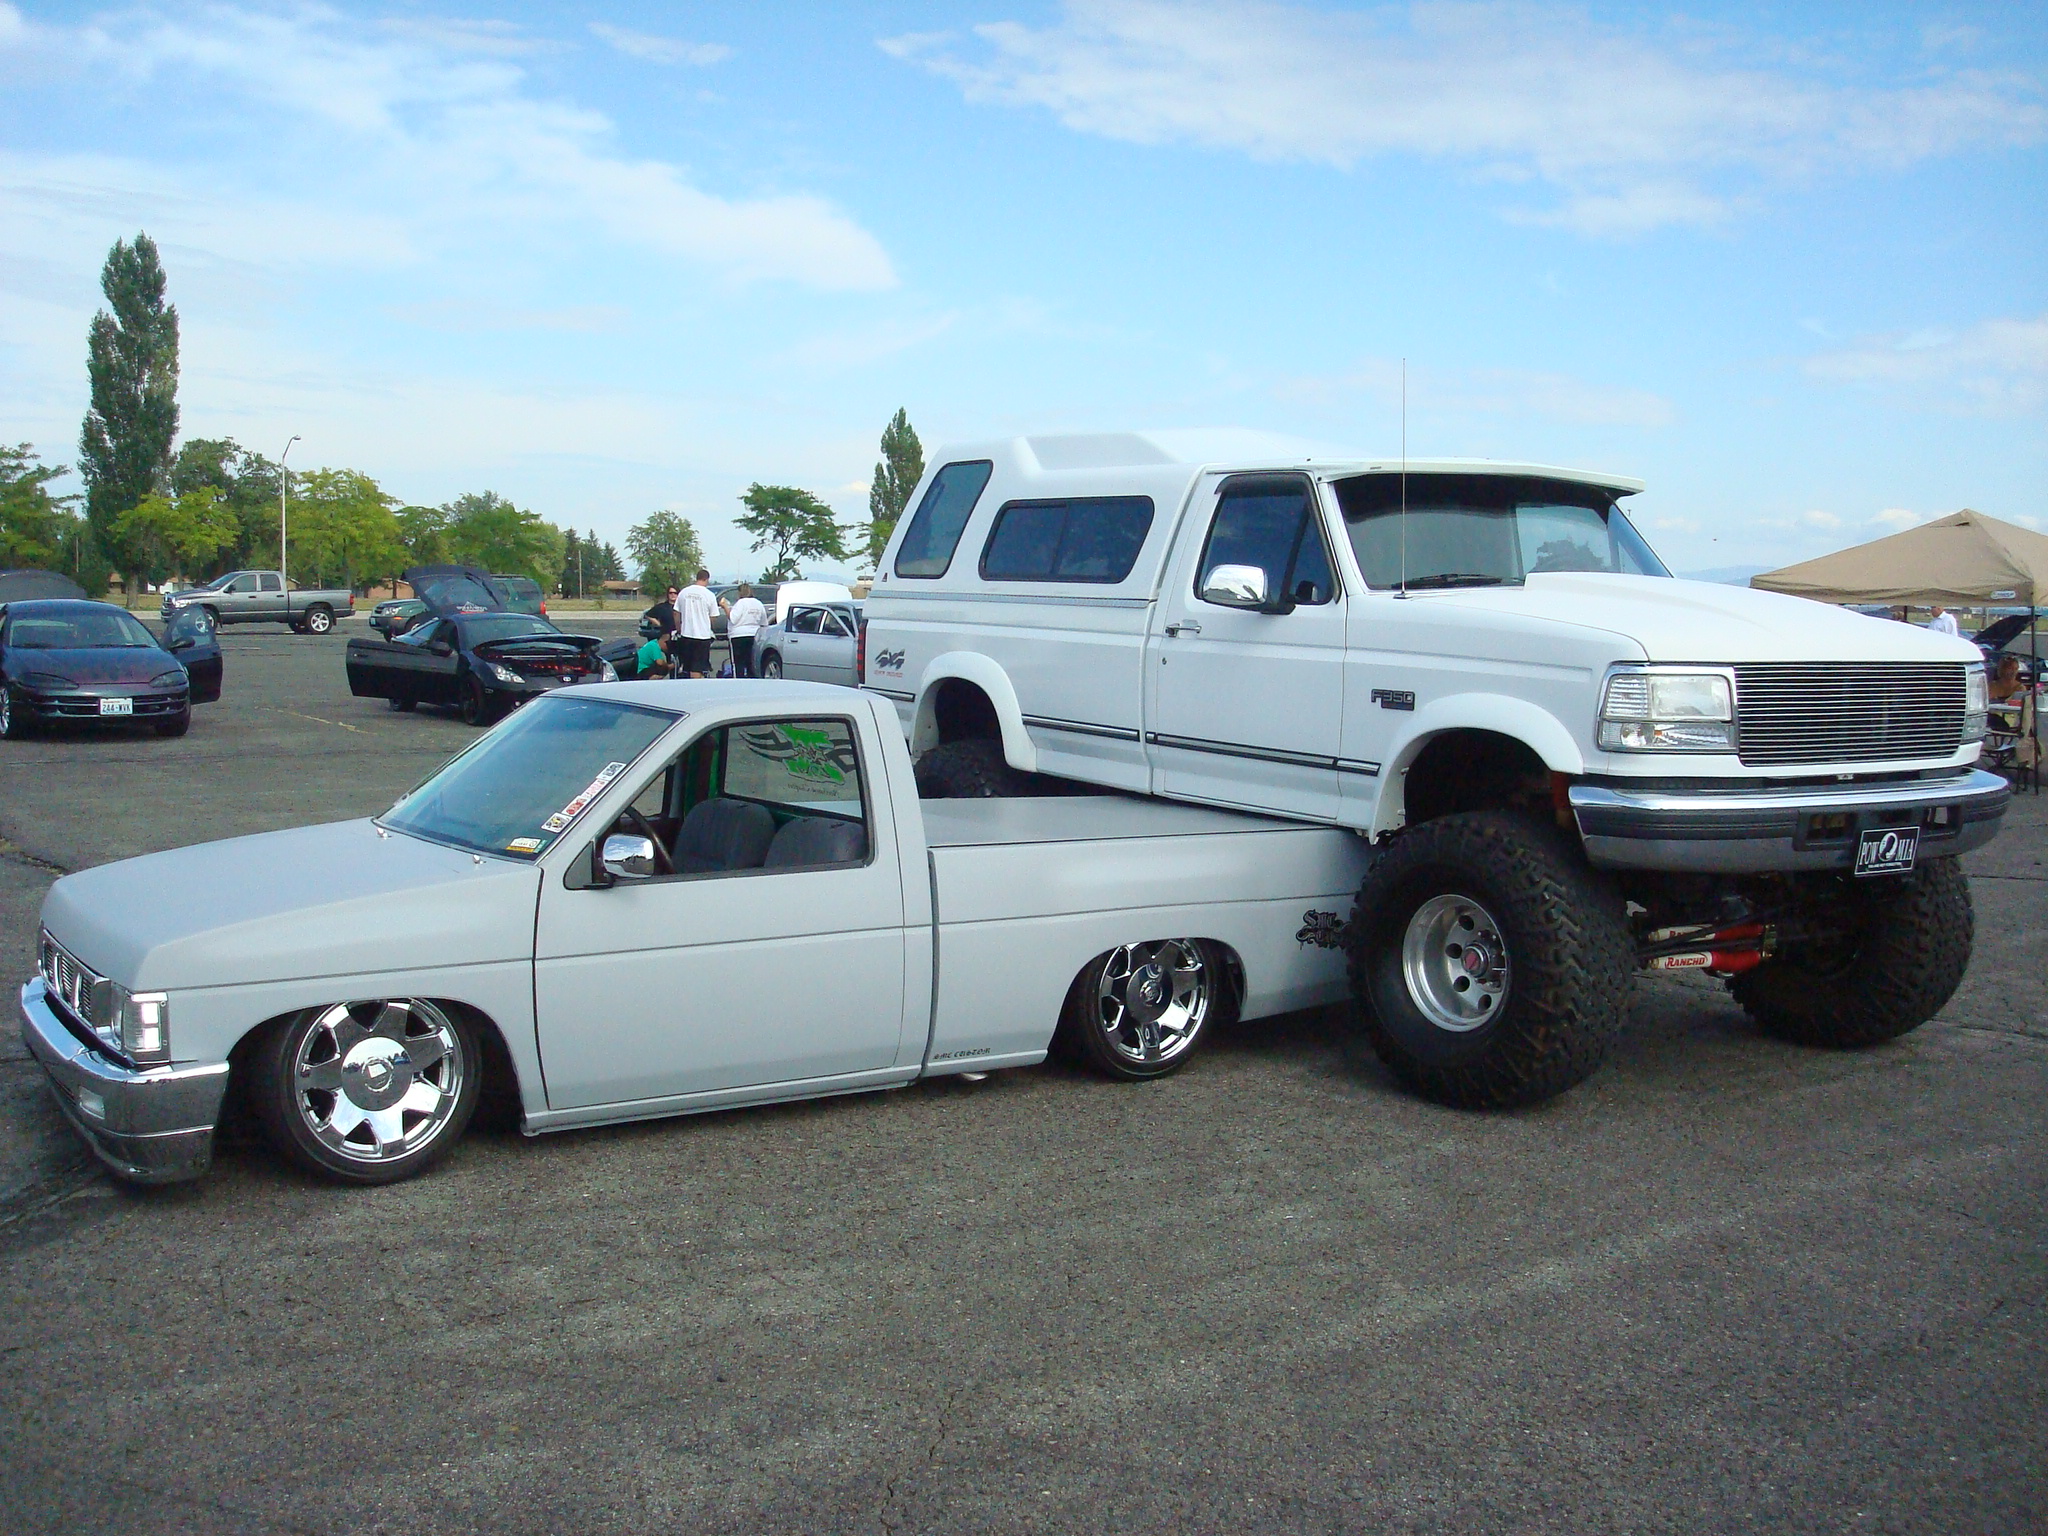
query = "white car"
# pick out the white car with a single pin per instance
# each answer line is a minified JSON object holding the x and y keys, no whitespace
{"x":813,"y":643}
{"x":1572,"y":763}
{"x":579,"y":900}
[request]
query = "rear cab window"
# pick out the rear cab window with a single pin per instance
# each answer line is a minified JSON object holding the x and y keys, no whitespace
{"x":1081,"y":539}
{"x":941,"y":517}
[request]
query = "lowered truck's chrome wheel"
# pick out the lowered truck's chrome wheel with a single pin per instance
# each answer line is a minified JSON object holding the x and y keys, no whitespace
{"x":369,"y":1092}
{"x":1137,"y":1011}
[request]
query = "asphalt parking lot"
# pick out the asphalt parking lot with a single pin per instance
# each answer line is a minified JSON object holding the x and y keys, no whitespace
{"x":1728,"y":1285}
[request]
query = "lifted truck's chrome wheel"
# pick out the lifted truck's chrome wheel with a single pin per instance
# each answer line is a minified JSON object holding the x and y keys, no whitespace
{"x":1455,"y":963}
{"x":369,"y":1092}
{"x":1149,"y":1005}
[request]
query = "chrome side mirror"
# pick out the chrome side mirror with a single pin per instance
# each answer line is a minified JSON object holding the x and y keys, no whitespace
{"x":627,"y":857}
{"x":1236,"y":586}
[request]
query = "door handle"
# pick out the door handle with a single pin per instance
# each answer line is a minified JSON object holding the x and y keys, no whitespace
{"x":1184,"y":626}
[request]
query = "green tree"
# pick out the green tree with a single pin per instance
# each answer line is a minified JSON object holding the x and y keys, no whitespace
{"x":896,"y":477}
{"x":794,"y":524}
{"x":569,"y":580}
{"x":609,"y":566}
{"x":422,"y":531}
{"x":248,"y":483}
{"x":33,"y":523}
{"x":342,"y":528}
{"x":485,"y":530}
{"x":664,"y":546}
{"x":124,"y":448}
{"x":179,"y":533}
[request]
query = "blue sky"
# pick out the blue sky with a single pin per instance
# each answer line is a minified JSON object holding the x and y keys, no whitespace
{"x":1789,"y":264}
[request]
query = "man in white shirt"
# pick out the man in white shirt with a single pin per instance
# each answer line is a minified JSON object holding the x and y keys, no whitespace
{"x":694,"y":611}
{"x":744,"y":619}
{"x":1943,"y":622}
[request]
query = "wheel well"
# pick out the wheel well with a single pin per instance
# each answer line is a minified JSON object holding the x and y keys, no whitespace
{"x":1471,"y":770}
{"x":962,"y":712}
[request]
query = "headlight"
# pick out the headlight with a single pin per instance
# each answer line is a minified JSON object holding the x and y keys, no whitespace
{"x":145,"y":1019}
{"x":168,"y":679}
{"x":47,"y":680}
{"x":503,"y":674}
{"x":1645,"y":711}
{"x":1976,"y":702}
{"x":606,"y":672}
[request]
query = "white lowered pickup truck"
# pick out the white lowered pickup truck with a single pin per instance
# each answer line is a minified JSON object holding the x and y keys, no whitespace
{"x":1569,"y":763}
{"x":642,"y":899}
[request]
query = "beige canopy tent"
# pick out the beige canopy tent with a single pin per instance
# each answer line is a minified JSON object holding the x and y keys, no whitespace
{"x":1966,"y":560}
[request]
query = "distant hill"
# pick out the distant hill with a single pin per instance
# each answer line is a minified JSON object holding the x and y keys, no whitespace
{"x":1728,"y":575}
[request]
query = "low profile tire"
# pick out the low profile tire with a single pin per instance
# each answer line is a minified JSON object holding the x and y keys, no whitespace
{"x":13,"y":719}
{"x":771,"y":666}
{"x":319,"y":620}
{"x":402,"y":705}
{"x":1491,"y":968}
{"x":1903,"y":955}
{"x":368,"y":1092}
{"x":476,"y":707}
{"x":177,"y":725}
{"x":969,"y":770}
{"x":1139,"y":1011}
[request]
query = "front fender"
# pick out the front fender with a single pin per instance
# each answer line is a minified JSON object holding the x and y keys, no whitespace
{"x":1503,"y":715}
{"x":989,"y":677}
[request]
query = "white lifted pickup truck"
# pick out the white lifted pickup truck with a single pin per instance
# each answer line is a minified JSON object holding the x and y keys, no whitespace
{"x":1569,"y":763}
{"x":643,"y":899}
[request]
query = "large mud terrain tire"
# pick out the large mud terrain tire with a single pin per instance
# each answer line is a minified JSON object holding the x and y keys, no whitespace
{"x":969,"y":770}
{"x":1491,"y":968}
{"x":1905,"y":956}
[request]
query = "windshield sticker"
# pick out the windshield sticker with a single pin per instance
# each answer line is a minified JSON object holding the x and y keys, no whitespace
{"x":805,"y":753}
{"x":526,"y":845}
{"x":576,"y":807}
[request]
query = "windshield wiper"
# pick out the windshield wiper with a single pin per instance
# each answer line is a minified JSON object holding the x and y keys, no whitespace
{"x":1452,"y":579}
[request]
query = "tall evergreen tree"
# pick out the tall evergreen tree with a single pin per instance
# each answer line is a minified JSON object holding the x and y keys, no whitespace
{"x":124,"y":448}
{"x":610,"y":566}
{"x":896,"y":477}
{"x":572,"y":576}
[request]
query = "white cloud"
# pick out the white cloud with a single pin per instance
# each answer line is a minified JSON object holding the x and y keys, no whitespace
{"x":1630,"y":132}
{"x":653,"y":49}
{"x":1898,"y":519}
{"x":429,"y":142}
{"x":1997,"y":367}
{"x":1818,"y":519}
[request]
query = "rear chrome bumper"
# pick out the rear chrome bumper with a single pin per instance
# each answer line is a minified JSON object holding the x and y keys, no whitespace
{"x":1733,"y":831}
{"x":154,"y":1125}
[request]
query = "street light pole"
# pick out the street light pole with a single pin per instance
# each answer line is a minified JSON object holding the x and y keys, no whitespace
{"x":284,"y":579}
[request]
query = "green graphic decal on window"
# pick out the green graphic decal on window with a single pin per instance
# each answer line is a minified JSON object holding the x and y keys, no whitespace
{"x":804,"y":751}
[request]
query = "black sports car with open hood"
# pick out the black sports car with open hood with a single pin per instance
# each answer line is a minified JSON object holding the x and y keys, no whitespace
{"x":468,"y":651}
{"x":73,"y":661}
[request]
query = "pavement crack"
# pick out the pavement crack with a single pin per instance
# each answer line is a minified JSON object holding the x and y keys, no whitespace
{"x":15,"y":854}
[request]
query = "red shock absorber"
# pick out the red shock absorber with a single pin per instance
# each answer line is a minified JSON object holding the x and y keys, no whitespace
{"x":860,"y":653}
{"x":1729,"y":952}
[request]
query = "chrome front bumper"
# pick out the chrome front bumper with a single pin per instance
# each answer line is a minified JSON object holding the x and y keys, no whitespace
{"x":154,"y":1125}
{"x":1742,"y":831}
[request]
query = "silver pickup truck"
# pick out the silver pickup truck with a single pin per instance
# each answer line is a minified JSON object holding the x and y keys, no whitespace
{"x":262,"y":597}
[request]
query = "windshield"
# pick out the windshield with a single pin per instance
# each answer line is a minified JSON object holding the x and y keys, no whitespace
{"x":1486,"y":530}
{"x":521,"y":787}
{"x":83,"y":630}
{"x":508,"y":626}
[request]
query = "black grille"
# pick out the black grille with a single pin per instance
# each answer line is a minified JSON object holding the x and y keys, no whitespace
{"x":1848,"y":712}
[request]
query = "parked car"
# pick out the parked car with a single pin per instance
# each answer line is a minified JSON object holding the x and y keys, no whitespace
{"x":2012,"y":635}
{"x":71,"y":661}
{"x":18,"y":584}
{"x":260,"y":597}
{"x":395,"y":615}
{"x":523,"y":595}
{"x":622,"y":655}
{"x":561,"y":890}
{"x":1573,"y":765}
{"x":814,"y":643}
{"x":483,"y":660}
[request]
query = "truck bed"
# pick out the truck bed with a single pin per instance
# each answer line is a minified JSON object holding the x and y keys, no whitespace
{"x":1080,"y":818}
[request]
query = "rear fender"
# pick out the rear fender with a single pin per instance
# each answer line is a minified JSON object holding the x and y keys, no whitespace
{"x":984,"y":673}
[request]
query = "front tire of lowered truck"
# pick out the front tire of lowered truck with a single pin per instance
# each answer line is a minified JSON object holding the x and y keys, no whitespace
{"x":1906,"y":944}
{"x":1490,"y":967}
{"x":1139,"y":1011}
{"x":969,"y":770}
{"x":367,"y":1092}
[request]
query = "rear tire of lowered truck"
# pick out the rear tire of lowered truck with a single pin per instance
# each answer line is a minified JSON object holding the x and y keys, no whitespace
{"x":367,"y":1092}
{"x":969,"y":770}
{"x":1904,"y":955}
{"x":1489,"y":966}
{"x":1139,"y":1011}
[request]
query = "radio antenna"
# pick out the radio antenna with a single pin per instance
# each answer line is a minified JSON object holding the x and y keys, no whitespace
{"x":1403,"y":589}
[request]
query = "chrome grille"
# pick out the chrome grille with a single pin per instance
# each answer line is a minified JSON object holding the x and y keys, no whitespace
{"x":1847,"y":712}
{"x":85,"y":994}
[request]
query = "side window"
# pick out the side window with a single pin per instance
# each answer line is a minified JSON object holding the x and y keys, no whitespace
{"x":761,"y":796}
{"x":940,"y":518}
{"x":830,"y":623}
{"x":1095,"y":538}
{"x":272,"y":583}
{"x":425,"y":634}
{"x":242,"y":584}
{"x":803,"y":622}
{"x":1269,"y":522}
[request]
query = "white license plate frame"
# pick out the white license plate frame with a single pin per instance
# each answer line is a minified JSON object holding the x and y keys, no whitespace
{"x":1887,"y":851}
{"x":117,"y":706}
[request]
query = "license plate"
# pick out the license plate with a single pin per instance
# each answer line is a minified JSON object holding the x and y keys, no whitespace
{"x":117,"y":706}
{"x":1887,"y":850}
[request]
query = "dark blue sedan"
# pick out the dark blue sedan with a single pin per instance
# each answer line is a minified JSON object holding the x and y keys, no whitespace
{"x":72,"y":661}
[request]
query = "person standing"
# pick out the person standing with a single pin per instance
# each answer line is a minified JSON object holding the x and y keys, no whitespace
{"x":743,"y":621}
{"x":1943,"y":622}
{"x":696,"y":606}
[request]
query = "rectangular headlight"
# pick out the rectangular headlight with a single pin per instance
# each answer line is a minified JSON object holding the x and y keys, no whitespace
{"x":1645,"y":711}
{"x":1976,"y":703}
{"x":145,"y":1023}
